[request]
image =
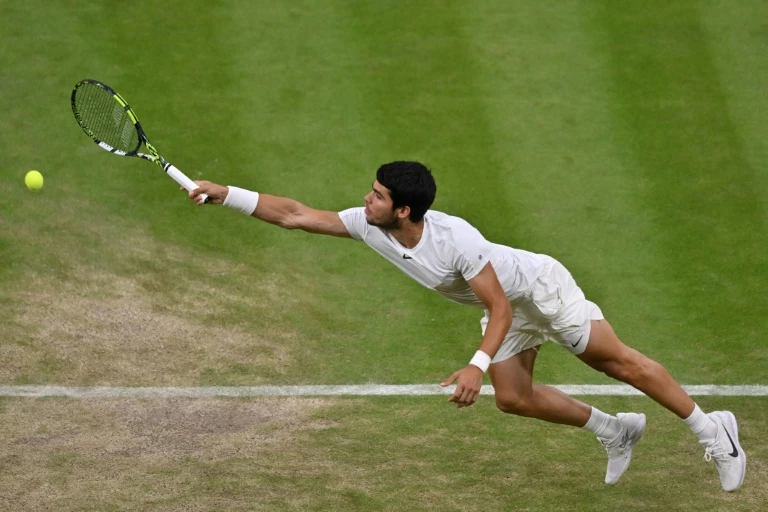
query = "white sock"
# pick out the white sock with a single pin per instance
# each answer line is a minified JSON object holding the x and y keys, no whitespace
{"x":603,"y":425}
{"x":701,"y":425}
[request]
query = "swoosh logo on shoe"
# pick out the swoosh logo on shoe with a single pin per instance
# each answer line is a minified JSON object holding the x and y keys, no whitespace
{"x":574,"y":344}
{"x":735,"y":452}
{"x":624,"y":440}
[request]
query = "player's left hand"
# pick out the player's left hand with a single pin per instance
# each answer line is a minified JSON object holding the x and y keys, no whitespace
{"x":470,"y":379}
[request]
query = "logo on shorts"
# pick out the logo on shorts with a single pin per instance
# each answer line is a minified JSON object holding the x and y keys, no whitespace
{"x":579,"y":341}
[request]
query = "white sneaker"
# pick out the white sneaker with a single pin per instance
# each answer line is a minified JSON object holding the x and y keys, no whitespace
{"x":620,"y":449}
{"x":730,"y":459}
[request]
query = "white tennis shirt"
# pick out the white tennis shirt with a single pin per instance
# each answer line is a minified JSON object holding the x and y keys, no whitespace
{"x":450,"y":253}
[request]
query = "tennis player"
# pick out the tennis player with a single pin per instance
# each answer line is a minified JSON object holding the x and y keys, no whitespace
{"x":527,"y":299}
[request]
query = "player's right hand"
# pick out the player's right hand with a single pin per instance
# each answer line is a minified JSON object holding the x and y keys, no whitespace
{"x":216,"y":193}
{"x":470,"y":380}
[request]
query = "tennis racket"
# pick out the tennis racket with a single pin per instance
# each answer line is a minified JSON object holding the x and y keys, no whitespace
{"x":106,"y":118}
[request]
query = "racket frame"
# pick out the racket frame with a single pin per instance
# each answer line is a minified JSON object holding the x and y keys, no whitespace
{"x":152,"y":156}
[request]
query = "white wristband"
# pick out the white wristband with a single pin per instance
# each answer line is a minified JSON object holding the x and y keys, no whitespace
{"x":481,"y":360}
{"x":241,"y":200}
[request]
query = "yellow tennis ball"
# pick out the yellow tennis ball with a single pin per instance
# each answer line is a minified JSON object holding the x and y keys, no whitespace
{"x":34,"y":180}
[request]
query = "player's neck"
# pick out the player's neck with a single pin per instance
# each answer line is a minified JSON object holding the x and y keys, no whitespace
{"x":408,"y":233}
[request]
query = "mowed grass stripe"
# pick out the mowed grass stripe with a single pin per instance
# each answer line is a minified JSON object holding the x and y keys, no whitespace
{"x":109,"y":241}
{"x":544,"y":83}
{"x":357,"y":86}
{"x":738,"y":42}
{"x":419,"y":79}
{"x":176,"y":79}
{"x":422,"y":88}
{"x":702,"y":195}
{"x":39,"y":133}
{"x":324,"y":293}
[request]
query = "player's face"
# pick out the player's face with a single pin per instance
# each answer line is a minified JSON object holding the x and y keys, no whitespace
{"x":378,"y":207}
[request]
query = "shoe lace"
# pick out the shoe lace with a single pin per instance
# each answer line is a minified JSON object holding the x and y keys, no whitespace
{"x":717,"y":452}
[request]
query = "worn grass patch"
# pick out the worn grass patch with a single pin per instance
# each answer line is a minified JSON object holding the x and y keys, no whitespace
{"x":131,"y":310}
{"x":113,"y":454}
{"x":352,"y":454}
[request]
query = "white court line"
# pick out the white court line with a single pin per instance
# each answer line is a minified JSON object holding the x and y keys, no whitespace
{"x":351,"y":390}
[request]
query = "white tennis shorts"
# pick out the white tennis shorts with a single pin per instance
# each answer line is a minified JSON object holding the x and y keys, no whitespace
{"x":552,"y":308}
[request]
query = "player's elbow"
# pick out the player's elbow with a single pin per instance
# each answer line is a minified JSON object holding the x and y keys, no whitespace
{"x":281,"y":211}
{"x":281,"y":222}
{"x":503,"y":310}
{"x":288,"y":224}
{"x":291,"y":220}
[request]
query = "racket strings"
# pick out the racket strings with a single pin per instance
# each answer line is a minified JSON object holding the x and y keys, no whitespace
{"x":105,"y":118}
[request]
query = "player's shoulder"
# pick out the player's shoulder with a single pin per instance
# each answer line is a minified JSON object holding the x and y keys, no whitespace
{"x":354,"y":222}
{"x":449,"y":227}
{"x":445,"y":221}
{"x":355,"y":210}
{"x":355,"y":214}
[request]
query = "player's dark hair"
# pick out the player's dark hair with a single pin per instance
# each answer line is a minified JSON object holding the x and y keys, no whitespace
{"x":410,"y":184}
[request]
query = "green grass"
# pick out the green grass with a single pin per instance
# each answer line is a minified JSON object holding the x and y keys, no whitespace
{"x":617,"y":141}
{"x":626,"y":140}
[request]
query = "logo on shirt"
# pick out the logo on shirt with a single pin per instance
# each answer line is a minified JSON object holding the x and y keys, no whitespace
{"x":406,"y":257}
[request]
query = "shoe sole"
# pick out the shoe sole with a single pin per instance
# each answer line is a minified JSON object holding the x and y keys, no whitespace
{"x":641,"y":427}
{"x":729,"y":419}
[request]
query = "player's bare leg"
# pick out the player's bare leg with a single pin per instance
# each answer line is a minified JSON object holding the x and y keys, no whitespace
{"x":606,"y":353}
{"x":717,"y":431}
{"x":516,"y":394}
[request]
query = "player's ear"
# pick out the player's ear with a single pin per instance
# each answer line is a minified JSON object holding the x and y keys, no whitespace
{"x":403,"y":212}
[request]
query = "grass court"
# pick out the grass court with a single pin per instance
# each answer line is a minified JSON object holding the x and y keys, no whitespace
{"x":626,"y":139}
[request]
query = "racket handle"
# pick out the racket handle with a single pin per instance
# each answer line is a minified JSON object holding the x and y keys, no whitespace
{"x":181,"y":178}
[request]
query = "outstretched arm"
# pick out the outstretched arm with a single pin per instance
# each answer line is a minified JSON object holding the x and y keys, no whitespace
{"x":281,"y":211}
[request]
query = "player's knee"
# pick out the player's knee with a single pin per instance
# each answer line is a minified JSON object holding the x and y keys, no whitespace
{"x":513,"y":404}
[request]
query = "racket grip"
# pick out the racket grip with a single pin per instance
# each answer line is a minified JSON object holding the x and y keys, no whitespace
{"x":182,"y":179}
